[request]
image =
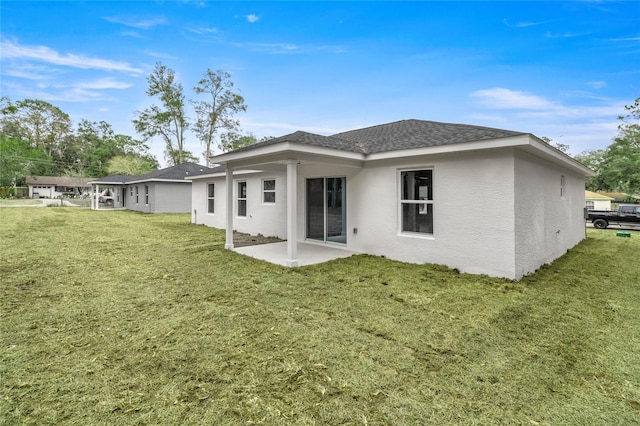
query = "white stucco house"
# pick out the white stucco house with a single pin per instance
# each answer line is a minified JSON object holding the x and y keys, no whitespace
{"x":57,"y":186}
{"x":159,"y":191}
{"x":482,"y":200}
{"x":595,"y":201}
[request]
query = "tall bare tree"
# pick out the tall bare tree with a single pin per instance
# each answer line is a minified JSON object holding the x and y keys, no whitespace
{"x":218,"y":112}
{"x":167,"y":120}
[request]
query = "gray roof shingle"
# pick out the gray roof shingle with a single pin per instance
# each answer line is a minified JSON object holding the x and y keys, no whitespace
{"x":405,"y":134}
{"x":178,"y":172}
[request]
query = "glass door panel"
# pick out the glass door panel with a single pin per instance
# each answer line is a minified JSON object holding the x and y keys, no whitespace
{"x":315,"y":209}
{"x":327,"y":209}
{"x":336,"y":210}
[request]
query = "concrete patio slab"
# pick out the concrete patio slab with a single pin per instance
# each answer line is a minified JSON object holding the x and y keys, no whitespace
{"x":308,"y":254}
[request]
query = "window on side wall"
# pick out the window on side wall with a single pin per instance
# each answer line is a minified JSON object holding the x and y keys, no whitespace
{"x":416,"y":201}
{"x":242,"y":199}
{"x":136,"y":194}
{"x":563,"y":187}
{"x":269,"y":191}
{"x":146,"y":195}
{"x":211,"y":195}
{"x":131,"y":191}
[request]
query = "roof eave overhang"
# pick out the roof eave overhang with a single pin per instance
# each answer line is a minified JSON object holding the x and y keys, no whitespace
{"x":288,"y":151}
{"x":526,"y":142}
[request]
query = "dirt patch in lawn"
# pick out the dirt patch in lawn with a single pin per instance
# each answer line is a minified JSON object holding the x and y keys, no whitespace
{"x":242,"y":240}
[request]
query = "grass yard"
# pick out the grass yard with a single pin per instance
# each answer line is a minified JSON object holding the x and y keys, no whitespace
{"x":131,"y":319}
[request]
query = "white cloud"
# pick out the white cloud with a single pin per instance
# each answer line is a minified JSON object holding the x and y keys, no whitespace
{"x":204,"y":30}
{"x":48,"y":55}
{"x":104,"y":83}
{"x":524,"y":24}
{"x":512,"y":99}
{"x":596,"y":84}
{"x":144,"y":24}
{"x":252,"y":18}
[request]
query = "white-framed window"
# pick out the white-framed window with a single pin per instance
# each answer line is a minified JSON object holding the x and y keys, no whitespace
{"x":416,"y":201}
{"x":137,"y":192}
{"x":146,"y":195}
{"x":131,"y":191}
{"x":563,"y":187}
{"x":269,"y":191}
{"x":241,"y":197}
{"x":590,"y":205}
{"x":211,"y":196}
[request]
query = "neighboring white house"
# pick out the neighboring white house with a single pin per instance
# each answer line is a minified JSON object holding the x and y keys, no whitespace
{"x":482,"y":200}
{"x":57,"y":186}
{"x":160,"y":191}
{"x":595,"y":201}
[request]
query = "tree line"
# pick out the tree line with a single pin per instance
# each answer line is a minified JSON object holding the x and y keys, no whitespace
{"x":38,"y":138}
{"x":618,"y":166}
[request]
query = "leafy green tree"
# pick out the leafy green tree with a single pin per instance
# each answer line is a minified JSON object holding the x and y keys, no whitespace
{"x":167,"y":120}
{"x":618,"y":167}
{"x":132,"y":164}
{"x":95,"y":144}
{"x":594,"y":159}
{"x":218,"y":112}
{"x":232,"y":140}
{"x":18,"y":159}
{"x":39,"y":122}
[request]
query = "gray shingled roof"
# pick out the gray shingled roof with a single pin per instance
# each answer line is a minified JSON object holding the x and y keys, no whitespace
{"x":178,"y":172}
{"x":405,"y":134}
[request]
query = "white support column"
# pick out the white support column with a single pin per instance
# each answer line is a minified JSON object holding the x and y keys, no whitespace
{"x":292,"y":215}
{"x":96,"y":198}
{"x":229,"y":228}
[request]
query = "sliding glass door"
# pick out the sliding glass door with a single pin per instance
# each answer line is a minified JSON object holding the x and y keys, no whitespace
{"x":327,"y":209}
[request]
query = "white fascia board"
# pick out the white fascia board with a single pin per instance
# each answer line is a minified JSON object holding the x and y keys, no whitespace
{"x":451,"y":148}
{"x":157,"y":180}
{"x":223,"y":174}
{"x":284,"y":150}
{"x":543,"y":149}
{"x":527,"y":142}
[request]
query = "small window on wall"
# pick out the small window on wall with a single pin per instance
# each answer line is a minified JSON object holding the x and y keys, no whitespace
{"x":146,"y":194}
{"x":416,"y":201}
{"x":269,"y":191}
{"x":211,"y":195}
{"x":591,"y":205}
{"x":563,"y":188}
{"x":242,"y":199}
{"x":131,"y":191}
{"x":136,"y":194}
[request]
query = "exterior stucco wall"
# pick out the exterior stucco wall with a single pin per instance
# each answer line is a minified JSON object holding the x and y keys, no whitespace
{"x":164,"y":197}
{"x":548,"y":223}
{"x":268,"y":219}
{"x":473,"y":213}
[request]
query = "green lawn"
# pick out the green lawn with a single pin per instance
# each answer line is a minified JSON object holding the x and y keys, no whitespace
{"x":19,"y":202}
{"x":124,"y":318}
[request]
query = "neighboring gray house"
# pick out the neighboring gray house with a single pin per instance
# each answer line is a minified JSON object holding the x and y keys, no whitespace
{"x":160,"y":191}
{"x":483,"y":200}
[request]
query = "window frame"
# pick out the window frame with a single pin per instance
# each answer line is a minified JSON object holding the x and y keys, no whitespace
{"x":426,"y":204}
{"x":137,"y":194}
{"x":240,"y":199}
{"x":211,"y":198}
{"x":268,"y":191}
{"x":563,"y":186}
{"x":146,"y":195}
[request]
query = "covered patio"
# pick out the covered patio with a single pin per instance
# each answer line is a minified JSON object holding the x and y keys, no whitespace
{"x":308,"y":253}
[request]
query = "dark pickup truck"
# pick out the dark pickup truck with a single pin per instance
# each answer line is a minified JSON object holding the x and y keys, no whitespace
{"x":627,"y":214}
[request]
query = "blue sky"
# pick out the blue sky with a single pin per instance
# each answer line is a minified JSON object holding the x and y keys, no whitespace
{"x":564,"y":70}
